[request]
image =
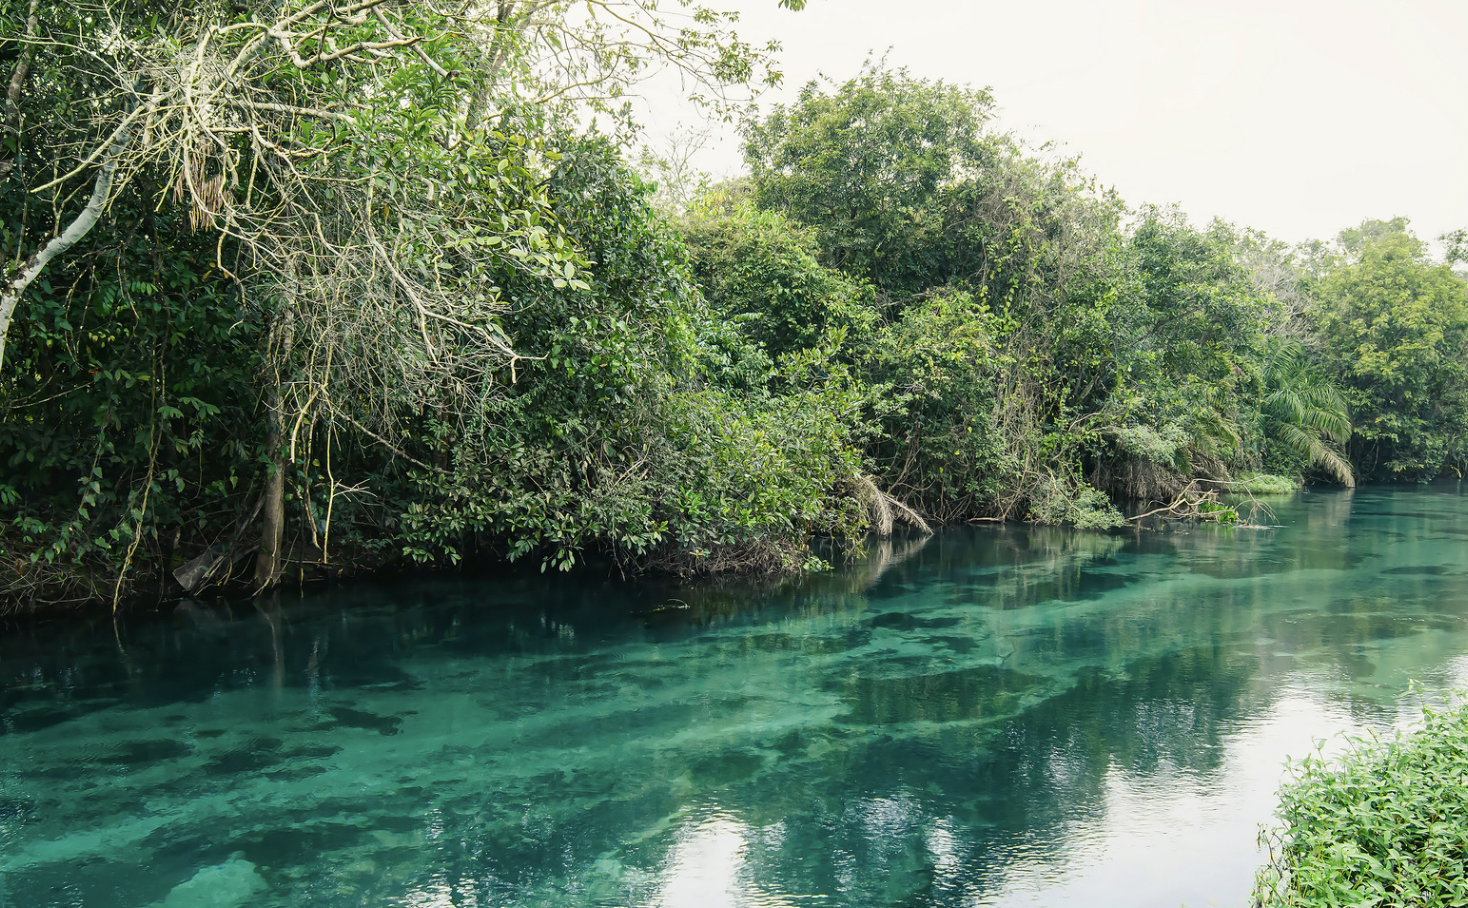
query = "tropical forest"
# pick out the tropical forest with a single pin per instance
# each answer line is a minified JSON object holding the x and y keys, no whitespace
{"x":364,"y":295}
{"x":293,"y":310}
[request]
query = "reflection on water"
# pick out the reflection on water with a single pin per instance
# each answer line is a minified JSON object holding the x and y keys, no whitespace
{"x":1000,"y":716}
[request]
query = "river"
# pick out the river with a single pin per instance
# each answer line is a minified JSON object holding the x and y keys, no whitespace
{"x":998,"y":716}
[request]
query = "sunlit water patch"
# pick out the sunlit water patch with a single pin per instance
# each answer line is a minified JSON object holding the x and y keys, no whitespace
{"x":996,"y":717}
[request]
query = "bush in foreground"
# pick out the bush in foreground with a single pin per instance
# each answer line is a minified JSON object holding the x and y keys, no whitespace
{"x":1386,"y":826}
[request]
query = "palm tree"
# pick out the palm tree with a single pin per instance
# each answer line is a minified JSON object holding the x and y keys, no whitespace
{"x":1304,"y":411}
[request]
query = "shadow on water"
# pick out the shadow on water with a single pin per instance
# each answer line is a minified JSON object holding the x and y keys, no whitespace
{"x":906,"y":730}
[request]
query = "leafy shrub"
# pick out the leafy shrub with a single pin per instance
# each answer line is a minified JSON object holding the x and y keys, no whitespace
{"x":127,"y":429}
{"x":645,"y":430}
{"x":931,"y":378}
{"x":1147,"y":443}
{"x":1387,"y":826}
{"x":1072,"y":503}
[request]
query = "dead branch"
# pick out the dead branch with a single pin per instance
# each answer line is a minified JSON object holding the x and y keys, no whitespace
{"x":1198,"y":502}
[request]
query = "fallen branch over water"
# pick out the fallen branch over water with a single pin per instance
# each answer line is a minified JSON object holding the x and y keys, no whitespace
{"x":1197,"y":501}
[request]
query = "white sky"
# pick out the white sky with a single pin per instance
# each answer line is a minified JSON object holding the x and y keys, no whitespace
{"x":1299,"y":117}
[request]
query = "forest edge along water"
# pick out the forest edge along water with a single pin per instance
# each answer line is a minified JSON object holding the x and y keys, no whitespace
{"x":993,"y":716}
{"x":276,"y":312}
{"x":297,"y":290}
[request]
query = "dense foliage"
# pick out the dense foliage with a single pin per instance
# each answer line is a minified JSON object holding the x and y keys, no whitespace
{"x":299,"y":288}
{"x":647,"y":429}
{"x":1395,"y":330}
{"x":1381,"y":827}
{"x":869,"y":168}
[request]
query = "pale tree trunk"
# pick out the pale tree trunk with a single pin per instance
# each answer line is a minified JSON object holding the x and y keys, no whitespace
{"x":270,"y":559}
{"x":499,"y":52}
{"x":11,"y":293}
{"x":17,"y":82}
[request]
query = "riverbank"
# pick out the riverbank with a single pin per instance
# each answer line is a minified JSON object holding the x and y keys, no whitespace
{"x":697,"y":387}
{"x":220,"y":574}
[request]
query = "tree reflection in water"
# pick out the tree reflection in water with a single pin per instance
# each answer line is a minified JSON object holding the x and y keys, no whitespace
{"x":997,"y":716}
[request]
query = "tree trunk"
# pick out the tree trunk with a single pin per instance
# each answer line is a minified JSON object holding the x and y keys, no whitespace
{"x":17,"y":82}
{"x":269,"y":560}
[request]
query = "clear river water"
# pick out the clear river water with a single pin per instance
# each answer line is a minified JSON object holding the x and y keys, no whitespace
{"x":998,"y":716}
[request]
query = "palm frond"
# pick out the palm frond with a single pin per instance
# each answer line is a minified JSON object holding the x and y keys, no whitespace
{"x":1336,"y":465}
{"x":1312,"y":448}
{"x":1305,"y":409}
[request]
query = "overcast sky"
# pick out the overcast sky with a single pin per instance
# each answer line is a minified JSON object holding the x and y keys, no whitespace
{"x":1299,"y":117}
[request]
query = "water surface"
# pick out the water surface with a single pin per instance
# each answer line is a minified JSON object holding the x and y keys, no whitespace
{"x":997,"y":717}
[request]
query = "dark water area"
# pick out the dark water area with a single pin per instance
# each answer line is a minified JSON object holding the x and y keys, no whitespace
{"x":997,"y":716}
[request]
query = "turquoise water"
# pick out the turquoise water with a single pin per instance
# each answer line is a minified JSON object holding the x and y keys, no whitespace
{"x":999,"y":716}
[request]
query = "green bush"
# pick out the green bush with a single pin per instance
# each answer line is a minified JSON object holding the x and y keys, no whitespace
{"x":931,"y":375}
{"x":1269,"y":484}
{"x":1395,"y":325}
{"x":760,"y":271}
{"x":1386,"y":826}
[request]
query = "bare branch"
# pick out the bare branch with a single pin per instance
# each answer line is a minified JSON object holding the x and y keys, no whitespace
{"x":399,"y":37}
{"x":317,"y":112}
{"x":105,"y":148}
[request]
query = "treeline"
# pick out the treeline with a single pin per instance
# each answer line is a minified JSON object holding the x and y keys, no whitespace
{"x":301,"y":288}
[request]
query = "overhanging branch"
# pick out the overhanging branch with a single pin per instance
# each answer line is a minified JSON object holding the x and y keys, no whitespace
{"x":80,"y":227}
